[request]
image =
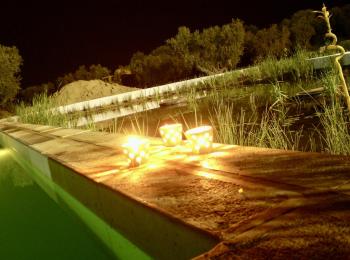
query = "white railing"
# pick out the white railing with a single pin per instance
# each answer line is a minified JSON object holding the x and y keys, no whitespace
{"x":142,"y":93}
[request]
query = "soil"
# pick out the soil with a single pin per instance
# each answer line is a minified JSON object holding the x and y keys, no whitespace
{"x":83,"y":90}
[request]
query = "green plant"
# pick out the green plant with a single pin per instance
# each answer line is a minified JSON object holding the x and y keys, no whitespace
{"x":10,"y":62}
{"x":42,"y":112}
{"x":272,"y":129}
{"x":214,"y":49}
{"x":294,"y":68}
{"x":336,"y":128}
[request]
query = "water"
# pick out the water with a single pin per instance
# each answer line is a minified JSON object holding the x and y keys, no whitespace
{"x":253,"y":99}
{"x":33,"y":226}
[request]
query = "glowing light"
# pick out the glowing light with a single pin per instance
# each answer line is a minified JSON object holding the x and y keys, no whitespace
{"x":200,"y":139}
{"x":171,"y":134}
{"x":4,"y":152}
{"x":136,"y":150}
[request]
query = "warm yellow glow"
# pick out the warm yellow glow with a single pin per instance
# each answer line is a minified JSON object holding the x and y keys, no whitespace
{"x":102,"y":174}
{"x":4,"y":152}
{"x":171,"y":134}
{"x":136,"y":150}
{"x":206,"y":175}
{"x":208,"y":164}
{"x":200,"y":139}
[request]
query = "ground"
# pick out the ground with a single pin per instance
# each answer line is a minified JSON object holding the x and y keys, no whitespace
{"x":83,"y":90}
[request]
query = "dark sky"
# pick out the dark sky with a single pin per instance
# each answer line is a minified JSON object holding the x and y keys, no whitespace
{"x":55,"y":37}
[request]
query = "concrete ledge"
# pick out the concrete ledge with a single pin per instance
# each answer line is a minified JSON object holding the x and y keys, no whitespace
{"x":177,"y":205}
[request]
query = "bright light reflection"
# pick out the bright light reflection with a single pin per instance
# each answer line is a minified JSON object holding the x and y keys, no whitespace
{"x":137,"y":150}
{"x":206,"y":164}
{"x":171,"y":134}
{"x":206,"y":175}
{"x":200,"y":139}
{"x":4,"y":152}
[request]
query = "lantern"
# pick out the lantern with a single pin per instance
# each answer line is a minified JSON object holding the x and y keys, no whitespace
{"x":200,"y":139}
{"x":171,"y":134}
{"x":137,"y":150}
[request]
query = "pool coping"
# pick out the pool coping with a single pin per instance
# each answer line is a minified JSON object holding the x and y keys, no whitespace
{"x":30,"y":140}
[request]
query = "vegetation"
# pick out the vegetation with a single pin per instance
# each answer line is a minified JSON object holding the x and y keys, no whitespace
{"x":189,"y":53}
{"x":192,"y":53}
{"x":42,"y":113}
{"x":214,"y":49}
{"x":83,"y":73}
{"x":223,"y":48}
{"x":267,"y":42}
{"x":10,"y":62}
{"x":161,"y":66}
{"x":336,"y":136}
{"x":279,"y":54}
{"x":265,"y":121}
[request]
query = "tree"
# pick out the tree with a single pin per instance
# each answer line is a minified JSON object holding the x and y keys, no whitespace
{"x":137,"y":66}
{"x":302,"y":27}
{"x":214,"y":49}
{"x":10,"y":62}
{"x":273,"y":41}
{"x":81,"y":73}
{"x":249,"y":53}
{"x":98,"y":72}
{"x":64,"y":80}
{"x":160,"y":66}
{"x":186,"y":46}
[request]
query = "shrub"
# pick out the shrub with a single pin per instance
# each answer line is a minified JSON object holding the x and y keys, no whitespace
{"x":10,"y":62}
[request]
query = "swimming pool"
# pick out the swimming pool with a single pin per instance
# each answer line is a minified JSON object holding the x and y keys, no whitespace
{"x":33,"y":226}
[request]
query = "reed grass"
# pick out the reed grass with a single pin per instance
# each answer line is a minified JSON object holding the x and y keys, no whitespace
{"x":42,"y":112}
{"x":334,"y":119}
{"x":270,"y":130}
{"x":249,"y":126}
{"x":336,"y":130}
{"x":294,"y":68}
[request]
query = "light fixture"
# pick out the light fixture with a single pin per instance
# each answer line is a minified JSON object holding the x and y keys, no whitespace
{"x":137,"y":150}
{"x":200,"y":139}
{"x":171,"y":134}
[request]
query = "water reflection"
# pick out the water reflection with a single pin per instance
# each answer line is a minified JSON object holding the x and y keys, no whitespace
{"x":10,"y":172}
{"x":33,"y":226}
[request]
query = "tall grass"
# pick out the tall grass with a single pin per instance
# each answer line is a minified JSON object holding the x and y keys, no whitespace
{"x":134,"y":124}
{"x":270,"y":130}
{"x":336,"y":126}
{"x":252,"y":125}
{"x":334,"y":119}
{"x":41,"y":112}
{"x":293,"y":68}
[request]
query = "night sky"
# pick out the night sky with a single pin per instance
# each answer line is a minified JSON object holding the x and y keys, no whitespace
{"x":55,"y":37}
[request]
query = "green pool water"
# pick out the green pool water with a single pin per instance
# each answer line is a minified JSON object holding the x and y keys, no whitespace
{"x":33,"y":226}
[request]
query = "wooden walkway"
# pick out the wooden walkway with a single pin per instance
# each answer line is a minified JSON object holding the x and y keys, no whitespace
{"x":256,"y":203}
